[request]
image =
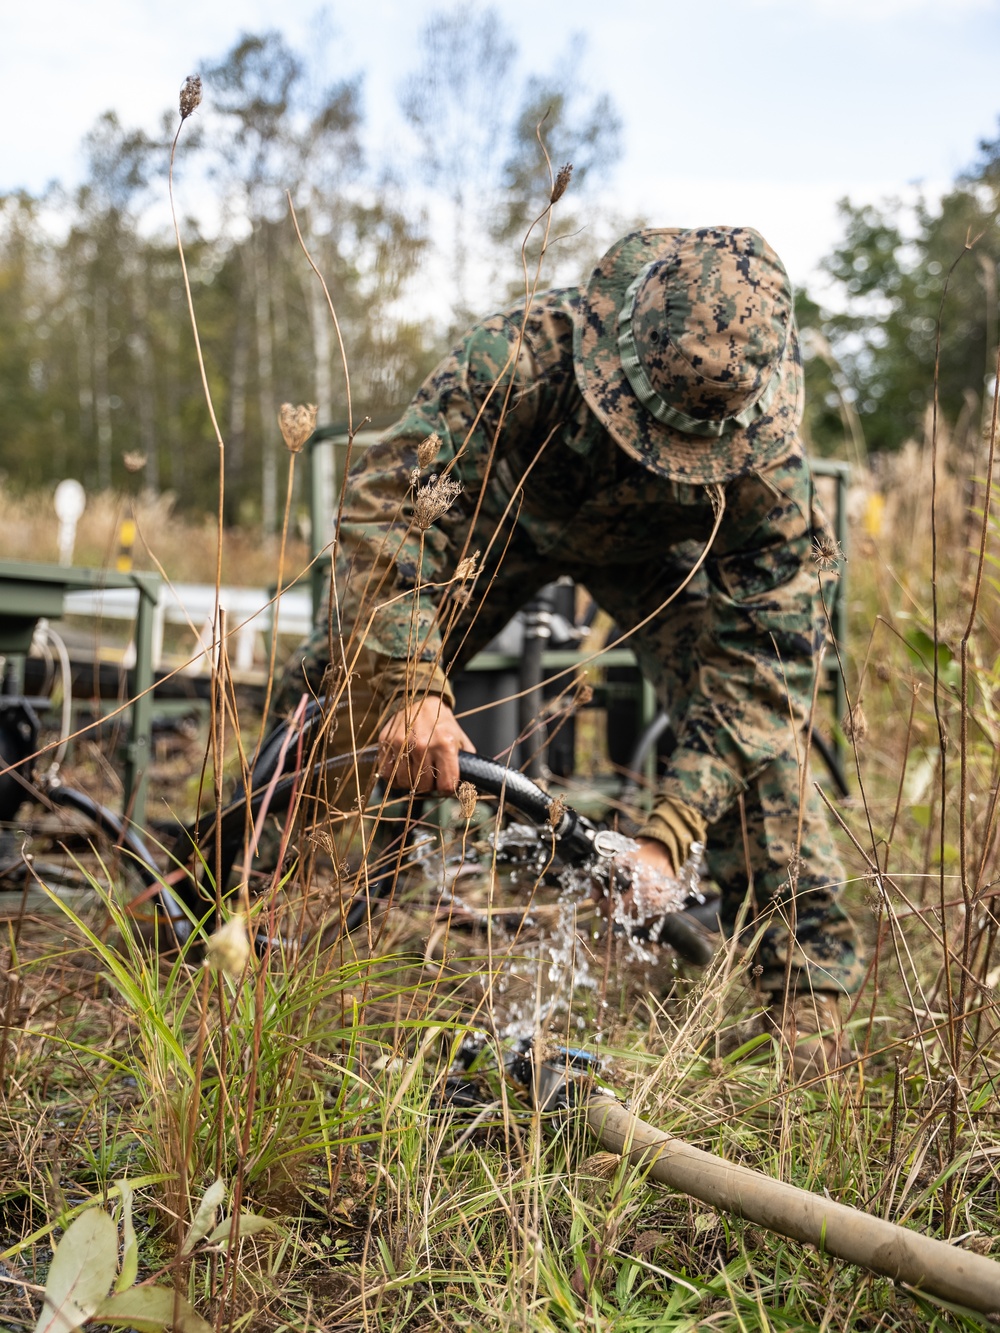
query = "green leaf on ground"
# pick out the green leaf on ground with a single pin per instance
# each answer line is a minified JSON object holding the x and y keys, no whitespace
{"x":150,"y":1310}
{"x":82,"y":1271}
{"x":251,"y":1224}
{"x":204,"y":1218}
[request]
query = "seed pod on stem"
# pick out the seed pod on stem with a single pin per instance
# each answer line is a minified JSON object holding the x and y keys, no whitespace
{"x":296,"y":425}
{"x":190,"y":98}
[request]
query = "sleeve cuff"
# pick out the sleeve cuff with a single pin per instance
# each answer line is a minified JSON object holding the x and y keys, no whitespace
{"x":400,"y":680}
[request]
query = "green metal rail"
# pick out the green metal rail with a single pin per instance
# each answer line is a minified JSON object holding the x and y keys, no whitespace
{"x":29,"y":592}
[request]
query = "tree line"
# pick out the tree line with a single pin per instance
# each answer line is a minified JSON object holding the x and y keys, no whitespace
{"x":98,"y":370}
{"x":916,"y":313}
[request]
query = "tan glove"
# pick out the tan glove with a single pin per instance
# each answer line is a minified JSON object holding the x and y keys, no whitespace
{"x":676,"y":825}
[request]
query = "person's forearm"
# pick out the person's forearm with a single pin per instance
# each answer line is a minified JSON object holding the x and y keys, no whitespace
{"x":388,"y":573}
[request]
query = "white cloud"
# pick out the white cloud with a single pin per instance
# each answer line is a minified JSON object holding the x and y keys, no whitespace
{"x":878,"y":11}
{"x":830,"y":116}
{"x":799,"y":220}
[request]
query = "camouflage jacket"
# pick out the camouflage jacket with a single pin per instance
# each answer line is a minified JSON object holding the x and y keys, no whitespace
{"x":516,"y":435}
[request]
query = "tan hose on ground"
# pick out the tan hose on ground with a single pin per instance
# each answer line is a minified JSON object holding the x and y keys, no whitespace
{"x":906,"y":1256}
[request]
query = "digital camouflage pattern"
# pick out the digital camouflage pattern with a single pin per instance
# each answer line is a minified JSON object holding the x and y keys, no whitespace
{"x":730,"y":635}
{"x":714,"y":335}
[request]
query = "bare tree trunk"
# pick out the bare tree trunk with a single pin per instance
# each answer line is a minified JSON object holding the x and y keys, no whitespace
{"x":319,"y":319}
{"x":323,"y":469}
{"x":236,"y":447}
{"x":85,"y":375}
{"x":146,"y":384}
{"x":279,"y":303}
{"x":172,"y":407}
{"x":102,"y":397}
{"x":265,"y":383}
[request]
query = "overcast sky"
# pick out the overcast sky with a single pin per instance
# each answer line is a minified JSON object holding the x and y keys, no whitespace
{"x":762,"y":112}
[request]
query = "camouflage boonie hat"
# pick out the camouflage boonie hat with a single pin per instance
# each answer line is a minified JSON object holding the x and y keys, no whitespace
{"x":686,"y":351}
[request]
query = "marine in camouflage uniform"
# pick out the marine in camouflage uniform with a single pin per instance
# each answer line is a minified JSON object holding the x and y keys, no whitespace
{"x":640,"y":436}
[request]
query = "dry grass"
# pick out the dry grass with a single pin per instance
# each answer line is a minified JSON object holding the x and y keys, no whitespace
{"x":312,"y":1085}
{"x":186,"y":550}
{"x":310,"y":1082}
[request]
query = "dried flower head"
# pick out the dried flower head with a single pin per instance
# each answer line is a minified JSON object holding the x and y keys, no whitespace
{"x":466,"y":568}
{"x":556,"y":811}
{"x":873,"y":878}
{"x":583,"y":692}
{"x":855,"y":724}
{"x":134,"y":460}
{"x":322,"y":839}
{"x":427,"y":450}
{"x":190,"y":96}
{"x":433,"y":500}
{"x":561,"y":182}
{"x":296,"y":424}
{"x":980,"y":1244}
{"x":827,"y":552}
{"x":467,"y":797}
{"x":228,"y":948}
{"x":600,"y":1165}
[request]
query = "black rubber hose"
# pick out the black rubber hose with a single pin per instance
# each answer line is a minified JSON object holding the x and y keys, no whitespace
{"x":833,"y":765}
{"x":682,"y":932}
{"x":687,"y":936}
{"x":492,"y":779}
{"x":126,"y":837}
{"x":111,"y":824}
{"x":271,"y":747}
{"x":488,"y":775}
{"x":230,"y":827}
{"x":516,"y":788}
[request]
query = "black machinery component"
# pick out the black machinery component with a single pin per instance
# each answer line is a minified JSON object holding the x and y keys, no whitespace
{"x":18,"y":740}
{"x":18,"y":744}
{"x":506,"y":700}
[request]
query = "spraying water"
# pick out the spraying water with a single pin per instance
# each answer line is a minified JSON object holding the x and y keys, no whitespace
{"x":632,"y":895}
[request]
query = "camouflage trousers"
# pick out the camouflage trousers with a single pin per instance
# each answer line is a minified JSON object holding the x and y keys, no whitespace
{"x":771,"y":854}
